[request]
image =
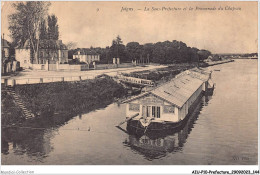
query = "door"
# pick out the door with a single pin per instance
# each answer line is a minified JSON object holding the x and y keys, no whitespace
{"x":156,"y":111}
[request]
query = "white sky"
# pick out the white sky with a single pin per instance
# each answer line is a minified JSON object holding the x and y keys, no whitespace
{"x":218,"y":31}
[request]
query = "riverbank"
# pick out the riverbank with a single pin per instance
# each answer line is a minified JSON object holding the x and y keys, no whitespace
{"x":162,"y":75}
{"x":68,"y":99}
{"x":212,"y":63}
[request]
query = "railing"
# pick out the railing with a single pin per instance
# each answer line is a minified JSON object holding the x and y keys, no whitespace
{"x":13,"y":82}
{"x":136,"y":80}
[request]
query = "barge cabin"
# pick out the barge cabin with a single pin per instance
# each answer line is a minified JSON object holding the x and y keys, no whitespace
{"x":167,"y":106}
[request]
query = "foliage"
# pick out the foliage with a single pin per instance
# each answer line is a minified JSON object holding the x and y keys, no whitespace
{"x":167,"y":52}
{"x":25,"y":22}
{"x":43,"y":30}
{"x":9,"y":113}
{"x":49,"y":30}
{"x":69,"y":97}
{"x":117,"y":50}
{"x":134,"y":50}
{"x":203,"y":54}
{"x":53,"y":28}
{"x":74,"y":61}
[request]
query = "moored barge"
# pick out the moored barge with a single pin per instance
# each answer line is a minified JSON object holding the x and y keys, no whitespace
{"x":168,"y":106}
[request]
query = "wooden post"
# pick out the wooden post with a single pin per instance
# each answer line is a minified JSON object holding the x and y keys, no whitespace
{"x":6,"y":82}
{"x":13,"y":83}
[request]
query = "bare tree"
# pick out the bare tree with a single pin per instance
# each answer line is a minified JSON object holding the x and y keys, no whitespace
{"x":71,"y":45}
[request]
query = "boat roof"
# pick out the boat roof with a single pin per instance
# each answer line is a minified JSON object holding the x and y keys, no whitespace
{"x":177,"y":91}
{"x":201,"y":74}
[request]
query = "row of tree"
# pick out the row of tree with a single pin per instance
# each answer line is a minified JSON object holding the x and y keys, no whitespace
{"x":31,"y":21}
{"x":166,"y":52}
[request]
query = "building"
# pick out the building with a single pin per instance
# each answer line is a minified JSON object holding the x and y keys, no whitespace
{"x":50,"y":52}
{"x":170,"y":102}
{"x":8,"y":62}
{"x":86,"y":55}
{"x":5,"y":48}
{"x":5,"y":56}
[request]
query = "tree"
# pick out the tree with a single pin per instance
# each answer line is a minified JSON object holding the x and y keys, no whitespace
{"x":71,"y":45}
{"x":134,"y":50}
{"x":203,"y":54}
{"x":118,"y":49}
{"x":118,"y":40}
{"x":53,"y":27}
{"x":25,"y":23}
{"x":43,"y":30}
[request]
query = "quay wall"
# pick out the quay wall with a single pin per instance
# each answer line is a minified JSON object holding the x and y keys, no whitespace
{"x":113,"y":66}
{"x":22,"y":81}
{"x":219,"y":62}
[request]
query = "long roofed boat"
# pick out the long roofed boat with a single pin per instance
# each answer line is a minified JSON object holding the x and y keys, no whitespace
{"x":168,"y":105}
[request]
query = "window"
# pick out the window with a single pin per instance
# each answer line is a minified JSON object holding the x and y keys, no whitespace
{"x":158,"y":112}
{"x":168,"y":109}
{"x":153,"y":111}
{"x":143,"y":111}
{"x":25,"y":61}
{"x":134,"y":107}
{"x":148,"y":111}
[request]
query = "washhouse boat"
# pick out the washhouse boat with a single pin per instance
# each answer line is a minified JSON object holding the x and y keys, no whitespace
{"x":167,"y":106}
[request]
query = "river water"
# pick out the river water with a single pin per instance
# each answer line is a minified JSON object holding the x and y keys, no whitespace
{"x":221,"y":131}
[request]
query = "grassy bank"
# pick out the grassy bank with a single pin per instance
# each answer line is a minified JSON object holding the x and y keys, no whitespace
{"x":164,"y":74}
{"x":69,"y":99}
{"x":66,"y":98}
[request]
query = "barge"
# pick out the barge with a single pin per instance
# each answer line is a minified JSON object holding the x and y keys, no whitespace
{"x":168,"y":106}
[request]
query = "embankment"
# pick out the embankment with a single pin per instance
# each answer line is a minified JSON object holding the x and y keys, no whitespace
{"x":66,"y":98}
{"x":69,"y":99}
{"x":162,"y":74}
{"x":165,"y":74}
{"x":219,"y":62}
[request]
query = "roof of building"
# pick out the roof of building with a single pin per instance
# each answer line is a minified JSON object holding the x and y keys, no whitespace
{"x":177,"y":91}
{"x":47,"y":44}
{"x":85,"y":51}
{"x":5,"y":43}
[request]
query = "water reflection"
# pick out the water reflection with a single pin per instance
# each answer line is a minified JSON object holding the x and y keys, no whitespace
{"x":155,"y":145}
{"x":35,"y":143}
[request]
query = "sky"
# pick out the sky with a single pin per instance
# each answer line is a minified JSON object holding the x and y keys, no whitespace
{"x":98,"y":23}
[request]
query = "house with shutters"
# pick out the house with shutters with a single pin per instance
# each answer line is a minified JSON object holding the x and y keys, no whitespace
{"x":86,"y":55}
{"x":50,"y":52}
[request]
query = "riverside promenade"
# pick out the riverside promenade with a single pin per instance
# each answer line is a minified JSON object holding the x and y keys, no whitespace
{"x":212,"y":63}
{"x":39,"y":76}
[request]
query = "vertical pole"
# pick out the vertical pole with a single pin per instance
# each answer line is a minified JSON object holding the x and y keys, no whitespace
{"x":2,"y":50}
